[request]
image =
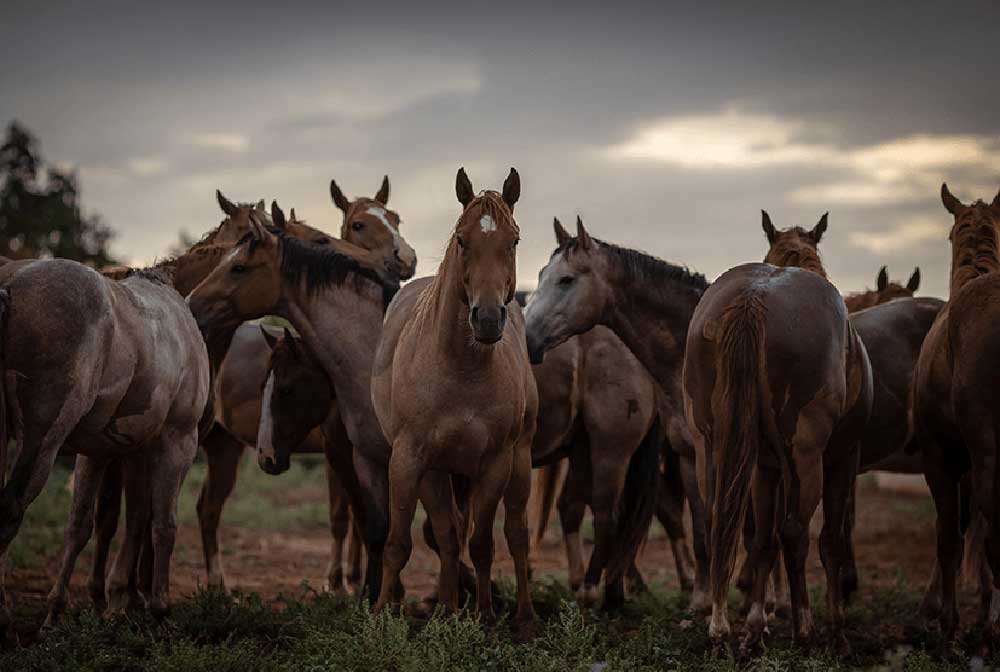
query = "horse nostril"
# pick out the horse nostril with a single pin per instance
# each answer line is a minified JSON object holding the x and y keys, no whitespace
{"x":475,"y":312}
{"x":395,"y":253}
{"x":503,"y":313}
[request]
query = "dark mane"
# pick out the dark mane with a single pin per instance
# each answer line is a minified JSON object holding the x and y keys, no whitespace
{"x":321,"y":267}
{"x":521,"y":296}
{"x":158,"y":273}
{"x":638,"y":266}
{"x":974,"y":245}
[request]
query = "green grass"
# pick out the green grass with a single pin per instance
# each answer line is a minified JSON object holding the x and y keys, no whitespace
{"x":654,"y":632}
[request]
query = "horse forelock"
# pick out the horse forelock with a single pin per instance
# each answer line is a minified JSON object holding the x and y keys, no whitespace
{"x":491,"y":204}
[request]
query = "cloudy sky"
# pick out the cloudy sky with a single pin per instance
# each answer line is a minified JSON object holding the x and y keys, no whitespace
{"x":667,"y":126}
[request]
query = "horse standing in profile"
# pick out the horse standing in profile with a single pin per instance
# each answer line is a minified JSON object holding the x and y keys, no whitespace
{"x":454,"y":394}
{"x":648,"y":304}
{"x":955,"y":409}
{"x":777,"y":388}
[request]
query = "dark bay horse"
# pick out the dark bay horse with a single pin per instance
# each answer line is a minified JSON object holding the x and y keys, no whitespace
{"x":454,"y":394}
{"x":112,"y":369}
{"x":296,"y":401}
{"x":955,"y":411}
{"x":588,"y":282}
{"x":335,"y":297}
{"x":777,"y":388}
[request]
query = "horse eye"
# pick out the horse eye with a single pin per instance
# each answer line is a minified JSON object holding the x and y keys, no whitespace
{"x":323,"y":241}
{"x":566,"y":281}
{"x":514,"y":244}
{"x":357,"y":226}
{"x":238,"y":269}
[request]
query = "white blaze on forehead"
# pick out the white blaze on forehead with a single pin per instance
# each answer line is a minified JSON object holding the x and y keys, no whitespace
{"x":265,"y":434}
{"x":384,"y":218}
{"x":487,"y":224}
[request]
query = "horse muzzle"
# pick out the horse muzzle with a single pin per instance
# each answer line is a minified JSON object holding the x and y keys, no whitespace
{"x":488,"y":323}
{"x":274,"y":465}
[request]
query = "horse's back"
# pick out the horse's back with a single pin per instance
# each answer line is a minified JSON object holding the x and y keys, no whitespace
{"x":974,"y":343}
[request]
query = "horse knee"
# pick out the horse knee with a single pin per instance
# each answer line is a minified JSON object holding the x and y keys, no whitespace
{"x":481,"y":549}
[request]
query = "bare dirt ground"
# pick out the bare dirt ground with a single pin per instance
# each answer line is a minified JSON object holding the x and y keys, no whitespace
{"x":894,"y":539}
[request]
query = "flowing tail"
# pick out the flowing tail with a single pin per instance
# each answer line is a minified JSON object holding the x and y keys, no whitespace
{"x":638,"y":502}
{"x":737,"y":432}
{"x":545,"y":489}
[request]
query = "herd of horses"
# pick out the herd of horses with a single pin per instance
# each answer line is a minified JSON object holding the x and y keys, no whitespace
{"x":631,"y":385}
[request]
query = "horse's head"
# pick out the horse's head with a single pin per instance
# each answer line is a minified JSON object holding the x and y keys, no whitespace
{"x":297,"y":397}
{"x":237,"y":221}
{"x":483,"y":249}
{"x":884,"y":291}
{"x":975,"y":248}
{"x":249,"y":281}
{"x":573,"y":291}
{"x":368,"y":223}
{"x":795,"y":246}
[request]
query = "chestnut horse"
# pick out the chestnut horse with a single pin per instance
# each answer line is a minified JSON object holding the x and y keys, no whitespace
{"x":955,"y":413}
{"x":336,"y":302}
{"x":454,"y":394}
{"x":777,"y":388}
{"x":588,"y":282}
{"x":129,"y":380}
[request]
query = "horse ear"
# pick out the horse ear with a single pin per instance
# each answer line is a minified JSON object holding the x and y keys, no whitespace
{"x":463,"y":188}
{"x":261,"y":205}
{"x":383,"y":193}
{"x":278,"y":216}
{"x":769,"y":230}
{"x":996,"y":200}
{"x":883,"y":279}
{"x":272,"y":341}
{"x":338,"y":197}
{"x":227,"y":206}
{"x":819,"y":229}
{"x":261,"y":233}
{"x":291,"y":343}
{"x":562,"y":235}
{"x":951,"y":204}
{"x":512,"y":189}
{"x":914,"y":282}
{"x":583,"y":239}
{"x":291,"y":216}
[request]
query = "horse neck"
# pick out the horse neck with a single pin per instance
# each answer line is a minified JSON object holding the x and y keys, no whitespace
{"x":341,"y":325}
{"x":856,"y":302}
{"x":796,"y":258}
{"x":974,"y":253}
{"x":193,"y":266}
{"x":653,"y":322}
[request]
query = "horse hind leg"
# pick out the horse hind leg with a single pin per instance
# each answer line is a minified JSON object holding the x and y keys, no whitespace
{"x":81,"y":524}
{"x":487,"y":491}
{"x":340,"y":523}
{"x":222,"y":453}
{"x":169,"y":465}
{"x":763,"y":551}
{"x":670,"y":513}
{"x":121,"y":595}
{"x":839,"y":480}
{"x":108,"y":510}
{"x":572,"y":508}
{"x":701,"y":601}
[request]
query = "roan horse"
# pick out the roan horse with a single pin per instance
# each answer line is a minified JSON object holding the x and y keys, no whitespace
{"x":777,"y":388}
{"x":955,"y":410}
{"x":336,"y":302}
{"x":588,"y":282}
{"x":111,"y":369}
{"x":455,"y":394}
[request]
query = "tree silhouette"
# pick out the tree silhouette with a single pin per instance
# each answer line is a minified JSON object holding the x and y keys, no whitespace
{"x":44,"y":220}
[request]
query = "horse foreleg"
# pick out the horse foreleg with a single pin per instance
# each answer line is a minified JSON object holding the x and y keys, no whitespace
{"x":606,"y":490}
{"x":572,"y":508}
{"x":801,"y":499}
{"x":515,"y":503}
{"x":136,"y":481}
{"x":88,"y":473}
{"x":439,"y":502}
{"x":406,"y":470}
{"x":487,"y":490}
{"x":670,"y":513}
{"x":222,"y":453}
{"x":340,"y":522}
{"x":700,"y":598}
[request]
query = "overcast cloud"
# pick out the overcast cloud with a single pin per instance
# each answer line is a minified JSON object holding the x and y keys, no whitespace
{"x":667,"y":126}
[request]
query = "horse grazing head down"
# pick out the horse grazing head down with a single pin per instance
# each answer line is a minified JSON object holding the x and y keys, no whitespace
{"x":296,"y":398}
{"x":483,"y":250}
{"x":368,"y":223}
{"x":795,"y":246}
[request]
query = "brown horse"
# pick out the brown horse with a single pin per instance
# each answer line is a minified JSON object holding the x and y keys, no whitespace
{"x":884,"y":291}
{"x":588,"y":282}
{"x":454,"y":394}
{"x":128,"y":379}
{"x":297,"y":399}
{"x":336,"y":302}
{"x":778,"y":388}
{"x":955,"y":413}
{"x":367,"y":224}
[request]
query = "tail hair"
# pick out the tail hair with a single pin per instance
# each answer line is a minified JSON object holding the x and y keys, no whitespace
{"x":545,"y":489}
{"x":736,"y":432}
